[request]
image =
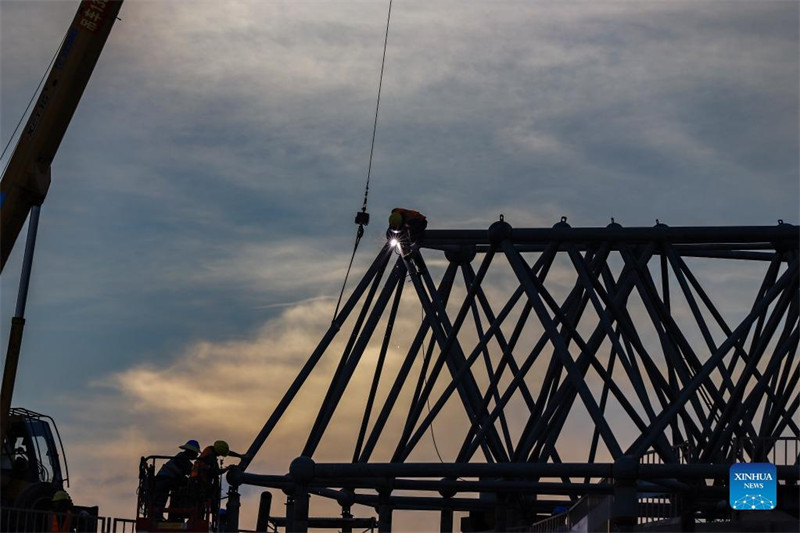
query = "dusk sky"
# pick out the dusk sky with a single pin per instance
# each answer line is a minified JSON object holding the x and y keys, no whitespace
{"x":200,"y":220}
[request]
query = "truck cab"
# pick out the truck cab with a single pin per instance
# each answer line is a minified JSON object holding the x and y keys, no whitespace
{"x":31,"y":460}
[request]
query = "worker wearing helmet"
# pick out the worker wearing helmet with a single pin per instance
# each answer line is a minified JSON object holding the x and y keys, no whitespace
{"x":207,"y":465}
{"x":407,"y":227}
{"x":206,"y":472}
{"x":407,"y":220}
{"x":62,"y":511}
{"x":173,"y":476}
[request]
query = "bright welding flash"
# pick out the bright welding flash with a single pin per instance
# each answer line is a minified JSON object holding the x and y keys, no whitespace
{"x":393,"y":242}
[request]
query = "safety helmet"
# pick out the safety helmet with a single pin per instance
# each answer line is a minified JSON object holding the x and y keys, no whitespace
{"x":191,"y":445}
{"x":222,"y":448}
{"x":61,"y":495}
{"x":395,"y":220}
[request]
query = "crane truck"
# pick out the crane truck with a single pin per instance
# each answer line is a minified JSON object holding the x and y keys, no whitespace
{"x":33,"y":462}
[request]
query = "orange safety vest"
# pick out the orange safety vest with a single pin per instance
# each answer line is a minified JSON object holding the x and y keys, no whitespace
{"x":63,"y":526}
{"x":206,"y":465}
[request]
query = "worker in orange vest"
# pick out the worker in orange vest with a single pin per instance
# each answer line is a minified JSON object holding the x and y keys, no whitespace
{"x":62,"y":511}
{"x":207,"y":466}
{"x":206,"y":472}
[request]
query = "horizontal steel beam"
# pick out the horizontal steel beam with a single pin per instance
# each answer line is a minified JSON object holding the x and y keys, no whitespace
{"x":331,"y":522}
{"x":442,"y":485}
{"x":676,"y":235}
{"x":423,"y":503}
{"x":388,"y":471}
{"x":455,"y":470}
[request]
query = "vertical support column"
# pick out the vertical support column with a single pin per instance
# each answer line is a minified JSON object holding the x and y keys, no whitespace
{"x":232,"y":510}
{"x":347,"y":516}
{"x":385,"y":508}
{"x":302,"y":472}
{"x":446,"y":520}
{"x":289,"y":511}
{"x":346,"y":499}
{"x":624,"y":508}
{"x":300,"y":518}
{"x":384,"y":518}
{"x":264,"y":505}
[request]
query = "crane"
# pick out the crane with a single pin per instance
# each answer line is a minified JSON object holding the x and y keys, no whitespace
{"x":30,"y":461}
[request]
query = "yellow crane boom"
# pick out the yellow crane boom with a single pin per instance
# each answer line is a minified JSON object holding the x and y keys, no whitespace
{"x":25,"y":182}
{"x":27,"y":178}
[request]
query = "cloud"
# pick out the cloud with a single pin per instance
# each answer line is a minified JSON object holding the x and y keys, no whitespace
{"x":215,"y":390}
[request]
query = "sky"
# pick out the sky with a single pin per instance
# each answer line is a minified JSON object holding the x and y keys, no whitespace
{"x":200,"y":220}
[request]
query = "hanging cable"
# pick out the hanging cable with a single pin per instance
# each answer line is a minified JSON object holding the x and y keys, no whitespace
{"x":377,"y":108}
{"x":433,"y":437}
{"x":362,"y":217}
{"x":33,"y":97}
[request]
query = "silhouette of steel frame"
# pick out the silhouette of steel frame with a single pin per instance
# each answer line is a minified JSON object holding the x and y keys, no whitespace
{"x":718,"y":395}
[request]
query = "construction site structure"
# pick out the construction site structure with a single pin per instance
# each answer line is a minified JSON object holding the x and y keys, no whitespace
{"x":604,"y":378}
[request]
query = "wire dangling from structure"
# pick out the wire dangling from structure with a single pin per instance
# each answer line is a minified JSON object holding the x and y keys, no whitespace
{"x":362,"y":217}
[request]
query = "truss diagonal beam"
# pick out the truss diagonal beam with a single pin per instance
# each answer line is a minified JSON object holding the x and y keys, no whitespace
{"x":375,"y":268}
{"x":522,"y":271}
{"x":645,"y":441}
{"x":454,"y":357}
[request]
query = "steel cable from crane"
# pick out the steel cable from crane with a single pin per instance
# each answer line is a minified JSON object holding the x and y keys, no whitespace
{"x":33,"y":97}
{"x":377,"y":108}
{"x":362,"y":217}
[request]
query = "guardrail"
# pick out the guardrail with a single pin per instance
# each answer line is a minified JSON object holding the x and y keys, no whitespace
{"x":780,"y":451}
{"x":30,"y":520}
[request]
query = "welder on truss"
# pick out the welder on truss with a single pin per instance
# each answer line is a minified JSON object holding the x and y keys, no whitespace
{"x":407,"y":227}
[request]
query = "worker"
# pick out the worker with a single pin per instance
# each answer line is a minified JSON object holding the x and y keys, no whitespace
{"x":409,"y":222}
{"x":407,"y":227}
{"x":62,"y":511}
{"x":206,"y":472}
{"x":207,"y":466}
{"x":173,"y":476}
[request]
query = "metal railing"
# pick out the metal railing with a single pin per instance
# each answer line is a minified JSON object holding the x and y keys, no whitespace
{"x":662,"y":505}
{"x":587,"y":514}
{"x":121,"y":525}
{"x":683,"y":450}
{"x":780,"y":451}
{"x":658,"y":507}
{"x":31,"y":520}
{"x":558,"y":523}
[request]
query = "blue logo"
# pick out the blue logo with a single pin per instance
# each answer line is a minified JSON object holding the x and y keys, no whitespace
{"x":753,"y":486}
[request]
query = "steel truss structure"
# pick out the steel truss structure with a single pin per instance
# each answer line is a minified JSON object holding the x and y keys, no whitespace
{"x":614,"y":366}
